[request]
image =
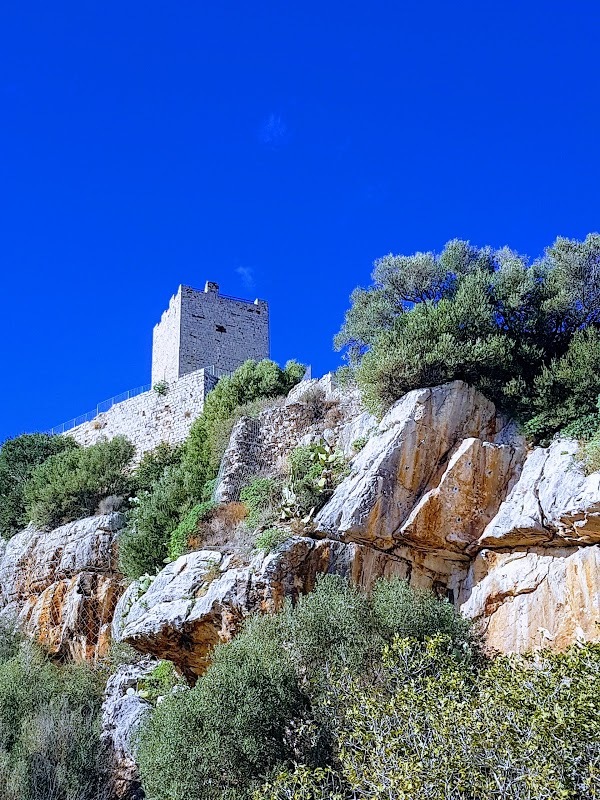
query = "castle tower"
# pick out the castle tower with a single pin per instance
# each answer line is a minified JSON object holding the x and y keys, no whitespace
{"x":208,"y":329}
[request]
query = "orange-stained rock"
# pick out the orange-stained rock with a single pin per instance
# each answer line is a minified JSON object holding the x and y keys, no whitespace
{"x":417,"y":449}
{"x":453,"y":515}
{"x":540,"y":597}
{"x":62,"y":586}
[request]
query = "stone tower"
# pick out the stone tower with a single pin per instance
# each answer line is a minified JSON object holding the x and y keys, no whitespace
{"x":207,"y":329}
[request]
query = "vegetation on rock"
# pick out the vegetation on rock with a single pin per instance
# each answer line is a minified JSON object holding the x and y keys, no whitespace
{"x":49,"y":727}
{"x":18,"y":459}
{"x":527,"y":335}
{"x":263,"y":702}
{"x":186,"y":480}
{"x":71,"y":483}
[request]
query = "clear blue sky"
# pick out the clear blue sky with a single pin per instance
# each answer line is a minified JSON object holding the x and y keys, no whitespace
{"x":277,"y":148}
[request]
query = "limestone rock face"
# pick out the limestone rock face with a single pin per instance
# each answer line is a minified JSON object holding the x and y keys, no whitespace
{"x":433,"y":475}
{"x":123,"y":712}
{"x":553,"y":502}
{"x":62,"y":585}
{"x":202,"y":598}
{"x":539,"y":597}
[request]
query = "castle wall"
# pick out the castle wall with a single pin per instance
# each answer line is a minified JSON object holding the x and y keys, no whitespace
{"x":149,"y":418}
{"x":165,"y":343}
{"x":207,"y":329}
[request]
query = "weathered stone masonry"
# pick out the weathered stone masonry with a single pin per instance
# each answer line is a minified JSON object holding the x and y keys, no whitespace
{"x":151,"y":418}
{"x":207,"y":329}
{"x":201,"y":336}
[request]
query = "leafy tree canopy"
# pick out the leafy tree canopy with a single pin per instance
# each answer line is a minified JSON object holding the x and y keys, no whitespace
{"x":524,"y":333}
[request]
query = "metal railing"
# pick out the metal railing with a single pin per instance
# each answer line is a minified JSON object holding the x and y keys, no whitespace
{"x":105,"y":405}
{"x":100,"y":409}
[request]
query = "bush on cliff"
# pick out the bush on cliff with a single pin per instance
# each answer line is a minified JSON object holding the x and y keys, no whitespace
{"x":429,"y":725}
{"x":262,"y":704}
{"x":527,"y":335}
{"x":254,"y":380}
{"x":49,"y":727}
{"x":185,"y":481}
{"x":71,"y":484}
{"x":18,"y":458}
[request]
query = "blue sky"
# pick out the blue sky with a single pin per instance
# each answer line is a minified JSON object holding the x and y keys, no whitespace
{"x":277,"y":148}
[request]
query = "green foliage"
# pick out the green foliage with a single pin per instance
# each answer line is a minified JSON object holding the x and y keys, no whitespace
{"x":400,"y":610}
{"x":153,"y":465}
{"x":250,"y":382}
{"x":211,"y":742}
{"x":18,"y":458}
{"x":49,"y":727}
{"x":520,"y":728}
{"x":161,"y":388}
{"x":154,"y":515}
{"x":315,"y":470}
{"x":264,"y":703}
{"x":178,"y":541}
{"x":524,"y":334}
{"x":71,"y":484}
{"x":171,"y":484}
{"x":270,"y":539}
{"x":160,"y":682}
{"x":261,"y":497}
{"x":358,"y":444}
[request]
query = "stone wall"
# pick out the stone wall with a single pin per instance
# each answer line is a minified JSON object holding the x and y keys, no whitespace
{"x":165,"y":343}
{"x":150,"y":418}
{"x":207,"y":329}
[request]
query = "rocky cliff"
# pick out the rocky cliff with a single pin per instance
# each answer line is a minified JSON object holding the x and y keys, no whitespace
{"x":443,"y":491}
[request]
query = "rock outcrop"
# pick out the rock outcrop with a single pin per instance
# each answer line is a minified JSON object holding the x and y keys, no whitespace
{"x":553,"y":503}
{"x":444,"y":493}
{"x":62,"y":585}
{"x":201,"y":599}
{"x":432,"y":476}
{"x":313,"y":410}
{"x":123,"y":712}
{"x":537,"y":597}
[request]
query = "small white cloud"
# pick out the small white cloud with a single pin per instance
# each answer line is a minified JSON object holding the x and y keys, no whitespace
{"x":273,"y":131}
{"x":247,"y":276}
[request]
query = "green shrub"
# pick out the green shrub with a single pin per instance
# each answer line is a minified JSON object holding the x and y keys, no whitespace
{"x":358,"y":444}
{"x":18,"y":458}
{"x":264,"y":703}
{"x":49,"y":727}
{"x":143,"y":546}
{"x":160,"y":682}
{"x":178,"y":541}
{"x":212,"y":741}
{"x":430,"y":726}
{"x":401,"y":610}
{"x":271,"y":538}
{"x":72,"y":483}
{"x":153,"y":465}
{"x":524,"y":334}
{"x":210,"y":433}
{"x":261,"y":497}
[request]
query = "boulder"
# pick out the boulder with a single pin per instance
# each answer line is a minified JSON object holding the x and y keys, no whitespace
{"x":62,"y":585}
{"x":414,"y":480}
{"x":123,"y":712}
{"x":539,"y":597}
{"x":202,"y":598}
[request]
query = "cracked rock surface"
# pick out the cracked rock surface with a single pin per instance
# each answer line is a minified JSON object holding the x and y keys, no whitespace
{"x":62,"y":586}
{"x":202,"y":598}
